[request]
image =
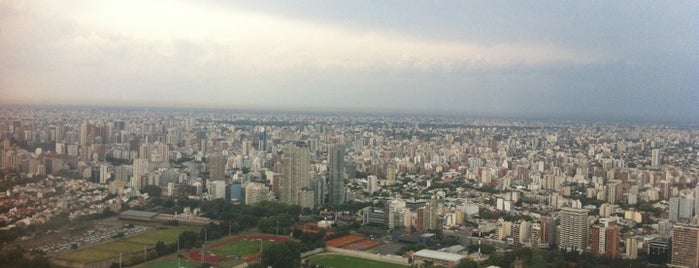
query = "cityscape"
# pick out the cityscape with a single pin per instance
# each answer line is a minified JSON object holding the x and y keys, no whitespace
{"x":618,"y":190}
{"x":349,"y":134}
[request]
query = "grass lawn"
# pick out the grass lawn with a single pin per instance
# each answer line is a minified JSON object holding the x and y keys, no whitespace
{"x":171,"y":264}
{"x":240,"y":248}
{"x":117,"y":246}
{"x":133,"y":243}
{"x":341,"y":261}
{"x":152,"y":237}
{"x":102,"y":251}
{"x":88,"y":255}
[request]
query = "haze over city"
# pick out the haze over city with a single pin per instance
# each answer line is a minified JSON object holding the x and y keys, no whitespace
{"x":589,"y":60}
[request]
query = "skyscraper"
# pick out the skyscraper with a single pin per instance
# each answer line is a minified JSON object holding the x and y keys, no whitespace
{"x":372,"y":184}
{"x":296,"y":176}
{"x":696,"y":200}
{"x":217,"y":167}
{"x":428,"y":216}
{"x":104,"y":173}
{"x":574,"y":229}
{"x":391,"y":174}
{"x":262,"y":140}
{"x":83,"y":134}
{"x":140,"y":168}
{"x":336,"y":179}
{"x":655,"y":157}
{"x":685,"y":245}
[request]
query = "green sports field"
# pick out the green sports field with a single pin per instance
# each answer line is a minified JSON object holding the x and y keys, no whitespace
{"x":152,"y":237}
{"x":341,"y":261}
{"x":126,"y":245}
{"x":240,"y":248}
{"x":171,"y":264}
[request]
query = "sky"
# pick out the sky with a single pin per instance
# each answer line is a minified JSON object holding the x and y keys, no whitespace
{"x":602,"y":60}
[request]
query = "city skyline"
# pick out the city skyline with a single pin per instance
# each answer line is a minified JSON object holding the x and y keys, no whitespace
{"x":591,"y":60}
{"x":625,"y":191}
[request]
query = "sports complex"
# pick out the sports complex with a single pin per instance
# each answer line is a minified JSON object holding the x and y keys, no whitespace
{"x":351,"y":250}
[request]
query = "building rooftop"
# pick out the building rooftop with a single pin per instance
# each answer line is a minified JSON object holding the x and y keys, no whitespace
{"x":138,"y":213}
{"x":433,"y":254}
{"x":454,"y":249}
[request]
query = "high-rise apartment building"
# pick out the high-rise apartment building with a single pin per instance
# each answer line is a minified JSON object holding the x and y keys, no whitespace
{"x":631,"y":247}
{"x":391,"y":174}
{"x":696,"y":200}
{"x":336,"y":179}
{"x":216,"y":166}
{"x":372,"y":184}
{"x":521,"y":232}
{"x":255,"y":193}
{"x":83,"y":135}
{"x":295,"y":175}
{"x":140,"y":168}
{"x":216,"y":189}
{"x":547,"y":233}
{"x":574,"y":229}
{"x":121,"y":173}
{"x":685,"y":245}
{"x":428,"y":216}
{"x":655,"y":157}
{"x":104,"y":174}
{"x":680,"y":208}
{"x":604,"y":239}
{"x":615,"y":191}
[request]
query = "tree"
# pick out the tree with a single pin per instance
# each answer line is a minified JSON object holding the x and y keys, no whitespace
{"x":152,"y":190}
{"x":275,"y":224}
{"x":284,"y":254}
{"x":497,"y":259}
{"x":213,"y":231}
{"x":161,"y":249}
{"x":188,"y":239}
{"x":297,"y":233}
{"x":256,"y":265}
{"x":467,"y":263}
{"x":485,"y":249}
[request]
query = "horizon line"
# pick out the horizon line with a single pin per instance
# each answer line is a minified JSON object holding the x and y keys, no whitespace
{"x":599,"y":118}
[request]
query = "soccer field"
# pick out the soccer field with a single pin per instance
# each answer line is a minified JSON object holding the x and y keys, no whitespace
{"x":240,"y":248}
{"x":341,"y":261}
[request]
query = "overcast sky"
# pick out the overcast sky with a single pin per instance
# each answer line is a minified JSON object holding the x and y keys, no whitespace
{"x":579,"y":59}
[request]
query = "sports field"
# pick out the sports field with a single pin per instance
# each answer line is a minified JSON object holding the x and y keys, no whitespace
{"x":240,"y":248}
{"x":341,"y":261}
{"x":135,"y":243}
{"x":166,"y":235}
{"x":244,"y":247}
{"x":170,"y":264}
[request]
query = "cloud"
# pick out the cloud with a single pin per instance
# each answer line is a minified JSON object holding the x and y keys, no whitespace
{"x":158,"y":35}
{"x":199,"y":53}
